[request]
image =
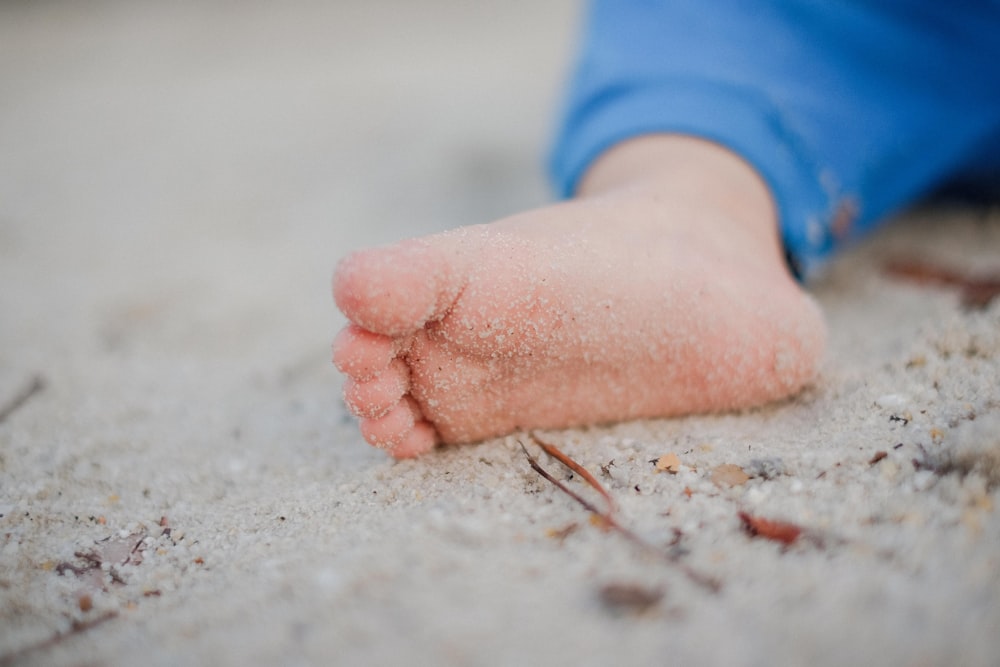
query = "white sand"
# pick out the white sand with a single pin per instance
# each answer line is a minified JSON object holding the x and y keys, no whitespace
{"x":176,"y":182}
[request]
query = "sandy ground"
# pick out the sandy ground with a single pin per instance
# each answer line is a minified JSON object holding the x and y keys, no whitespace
{"x":180,"y":483}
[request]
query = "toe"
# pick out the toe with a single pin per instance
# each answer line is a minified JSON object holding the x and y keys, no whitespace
{"x":375,"y":397}
{"x":361,"y":354}
{"x":393,"y":427}
{"x":418,"y":441}
{"x":396,"y":290}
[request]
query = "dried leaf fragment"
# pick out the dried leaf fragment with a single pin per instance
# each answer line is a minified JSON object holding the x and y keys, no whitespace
{"x":668,"y":462}
{"x":779,"y":531}
{"x":879,"y":455}
{"x":601,"y":521}
{"x":728,"y":474}
{"x":561,"y":534}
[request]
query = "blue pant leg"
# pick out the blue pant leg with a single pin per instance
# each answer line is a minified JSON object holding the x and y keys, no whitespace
{"x":848,"y":110}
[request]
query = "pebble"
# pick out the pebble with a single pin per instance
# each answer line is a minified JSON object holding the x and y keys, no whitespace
{"x":923,"y":480}
{"x":768,"y":468}
{"x":755,"y":495}
{"x":892,"y":401}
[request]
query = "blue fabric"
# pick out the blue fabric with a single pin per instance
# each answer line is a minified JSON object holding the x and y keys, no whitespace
{"x":849,"y":110}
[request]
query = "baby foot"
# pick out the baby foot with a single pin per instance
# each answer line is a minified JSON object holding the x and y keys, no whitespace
{"x":650,"y":300}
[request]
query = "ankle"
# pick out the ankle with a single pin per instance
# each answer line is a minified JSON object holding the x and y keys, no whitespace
{"x":701,"y":182}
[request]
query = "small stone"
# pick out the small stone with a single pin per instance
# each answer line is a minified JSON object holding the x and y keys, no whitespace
{"x":892,"y":401}
{"x":629,"y":598}
{"x":923,"y":480}
{"x":767,"y":468}
{"x":889,"y":470}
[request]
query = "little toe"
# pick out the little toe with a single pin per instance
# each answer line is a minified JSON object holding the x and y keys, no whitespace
{"x":393,"y":427}
{"x":396,"y":290}
{"x":375,"y":397}
{"x":419,"y":441}
{"x":361,"y":354}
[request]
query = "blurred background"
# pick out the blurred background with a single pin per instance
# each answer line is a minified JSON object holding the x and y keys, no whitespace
{"x":200,"y":166}
{"x":177,"y":182}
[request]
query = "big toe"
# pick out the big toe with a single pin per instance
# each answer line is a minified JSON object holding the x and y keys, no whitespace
{"x":395,"y":290}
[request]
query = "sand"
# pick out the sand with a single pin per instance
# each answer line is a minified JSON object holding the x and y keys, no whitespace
{"x":181,"y":484}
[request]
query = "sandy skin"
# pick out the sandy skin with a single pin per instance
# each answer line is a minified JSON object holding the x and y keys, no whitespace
{"x":660,"y":290}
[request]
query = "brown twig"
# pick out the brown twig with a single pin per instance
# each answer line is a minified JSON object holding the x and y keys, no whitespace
{"x":19,"y":399}
{"x":587,"y":505}
{"x":77,"y":628}
{"x":977,"y":292}
{"x":555,"y":453}
{"x":606,"y":518}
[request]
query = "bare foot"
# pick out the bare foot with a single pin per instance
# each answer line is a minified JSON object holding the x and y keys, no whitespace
{"x":660,"y":291}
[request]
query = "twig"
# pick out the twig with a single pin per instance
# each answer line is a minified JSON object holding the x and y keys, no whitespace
{"x":606,"y":518}
{"x":36,"y":385}
{"x":587,"y":505}
{"x":555,"y":453}
{"x":976,"y":292}
{"x":77,"y":628}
